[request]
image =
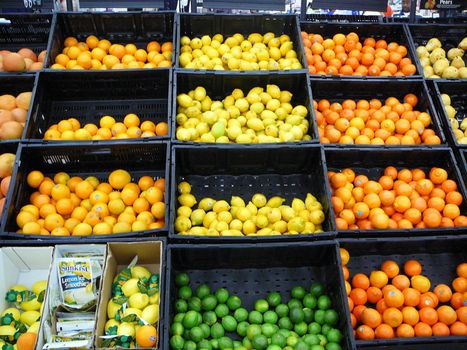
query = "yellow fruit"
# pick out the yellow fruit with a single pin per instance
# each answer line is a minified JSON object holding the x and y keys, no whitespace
{"x":151,"y":313}
{"x":112,"y":309}
{"x":138,"y":300}
{"x":140,"y":272}
{"x":119,"y":179}
{"x":13,"y":311}
{"x":29,"y":317}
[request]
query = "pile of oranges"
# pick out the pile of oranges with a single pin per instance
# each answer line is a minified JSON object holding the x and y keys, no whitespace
{"x":401,"y":199}
{"x":391,"y":303}
{"x":66,"y":205}
{"x":346,"y":55}
{"x":369,"y":122}
{"x":108,"y":129}
{"x":101,"y":54}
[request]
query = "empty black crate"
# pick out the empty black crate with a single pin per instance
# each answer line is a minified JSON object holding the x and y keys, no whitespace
{"x":137,"y":28}
{"x":339,"y":91}
{"x":387,"y":31}
{"x":252,"y":271}
{"x":151,"y":158}
{"x":457,"y":91}
{"x":450,"y":36}
{"x":372,"y":162}
{"x":463,"y":162}
{"x":439,"y":257}
{"x":19,"y":31}
{"x":14,"y":84}
{"x":219,"y":86}
{"x":221,"y":172}
{"x":88,"y":97}
{"x":197,"y":25}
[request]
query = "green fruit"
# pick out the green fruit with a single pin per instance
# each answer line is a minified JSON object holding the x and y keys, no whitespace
{"x":311,"y":339}
{"x":331,"y":317}
{"x":179,"y":317}
{"x":301,"y":345}
{"x":270,"y":317}
{"x":217,"y":331}
{"x":237,"y":344}
{"x":189,"y":345}
{"x":252,"y":331}
{"x":255,"y":317}
{"x":196,"y":334}
{"x":221,"y":310}
{"x":261,"y":305}
{"x":202,"y":291}
{"x":285,"y":323}
{"x":229,"y":323}
{"x":294,"y":303}
{"x":185,"y":292}
{"x":206,"y":330}
{"x":177,"y":342}
{"x":319,"y":316}
{"x":298,"y":292}
{"x":324,"y":302}
{"x":242,"y":328}
{"x":194,"y":303}
{"x":309,"y":301}
{"x":190,"y":320}
{"x":274,"y":299}
{"x":225,"y":343}
{"x":308,"y":315}
{"x":314,"y":328}
{"x":247,"y":343}
{"x":214,"y":343}
{"x":234,"y":302}
{"x":204,"y":345}
{"x":322,"y":340}
{"x":181,"y":306}
{"x":209,"y":302}
{"x":282,"y":310}
{"x":317,"y":347}
{"x":176,"y":329}
{"x":222,"y":295}
{"x":301,"y":328}
{"x":333,"y":346}
{"x":296,"y":315}
{"x":325,"y":329}
{"x":316,"y":289}
{"x":241,"y":314}
{"x":279,"y":340}
{"x":273,"y":347}
{"x":268,"y":329}
{"x":260,"y":342}
{"x":292,"y":341}
{"x":210,"y":317}
{"x":284,"y":332}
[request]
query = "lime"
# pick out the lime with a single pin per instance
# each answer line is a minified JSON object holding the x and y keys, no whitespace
{"x":206,"y":330}
{"x":261,"y":305}
{"x":177,"y":342}
{"x":294,"y":303}
{"x":284,"y":332}
{"x":282,"y":310}
{"x":176,"y":328}
{"x":298,"y":292}
{"x":314,"y":328}
{"x":296,"y":315}
{"x":285,"y":323}
{"x":204,"y":345}
{"x":234,"y":302}
{"x":182,"y":279}
{"x":331,"y":317}
{"x":190,"y":320}
{"x":210,"y":317}
{"x":214,"y":343}
{"x":334,"y":336}
{"x":255,"y":317}
{"x":270,"y":317}
{"x":241,"y":314}
{"x":325,"y":329}
{"x":322,"y":340}
{"x":308,"y":315}
{"x":236,"y":344}
{"x":292,"y":341}
{"x":301,"y":328}
{"x":241,"y":328}
{"x":221,"y":310}
{"x":311,"y":339}
{"x":229,"y":323}
{"x":309,"y":301}
{"x":268,"y":330}
{"x":316,"y":347}
{"x":274,"y":299}
{"x":247,"y":343}
{"x":319,"y":316}
{"x":225,"y":343}
{"x":259,"y":342}
{"x":217,"y":331}
{"x":279,"y":340}
{"x":196,"y":334}
{"x":301,"y":345}
{"x":316,"y":289}
{"x":185,"y":292}
{"x":181,"y":306}
{"x":253,"y":330}
{"x":202,"y":291}
{"x":222,"y":295}
{"x":179,"y":317}
{"x":189,"y":345}
{"x":209,"y":302}
{"x":333,"y":346}
{"x":194,"y":303}
{"x":324,"y":302}
{"x":273,"y":347}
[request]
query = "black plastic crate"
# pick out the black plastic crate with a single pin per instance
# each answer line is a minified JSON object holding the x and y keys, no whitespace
{"x":139,"y":159}
{"x":387,"y":31}
{"x":439,"y":257}
{"x":251,"y":271}
{"x":372,"y":162}
{"x":197,"y":25}
{"x":137,"y":28}
{"x":10,"y":147}
{"x":219,"y":86}
{"x":463,"y":162}
{"x":221,"y":172}
{"x":25,"y":30}
{"x":450,"y":36}
{"x":355,"y":89}
{"x":14,"y":84}
{"x":88,"y":97}
{"x":457,"y":90}
{"x":322,"y":17}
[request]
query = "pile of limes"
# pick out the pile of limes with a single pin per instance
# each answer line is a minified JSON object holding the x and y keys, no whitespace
{"x":205,"y":319}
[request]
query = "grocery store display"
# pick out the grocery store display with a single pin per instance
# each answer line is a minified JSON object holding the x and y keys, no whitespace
{"x":351,"y":55}
{"x":437,"y":63}
{"x":261,"y":115}
{"x":108,"y":129}
{"x":70,"y":205}
{"x":207,"y":319}
{"x":459,"y":127}
{"x":260,"y":217}
{"x":97,"y":53}
{"x":375,"y":122}
{"x":237,"y":52}
{"x":23,"y":60}
{"x":400,"y":199}
{"x":400,"y":301}
{"x":13,"y":113}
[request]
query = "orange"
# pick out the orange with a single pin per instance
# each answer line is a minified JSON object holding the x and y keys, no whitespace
{"x":405,"y":331}
{"x":461,"y":270}
{"x":60,"y":191}
{"x":420,"y":283}
{"x":423,"y":330}
{"x":429,"y":315}
{"x":64,"y":206}
{"x":346,"y":274}
{"x":428,"y":299}
{"x":462,"y":314}
{"x":411,"y":296}
{"x":412,"y":268}
{"x":162,"y":129}
{"x":378,"y":279}
{"x":358,"y":295}
{"x":438,"y":175}
{"x":84,"y":189}
{"x":371,"y":317}
{"x":440,"y":330}
{"x":446,"y":314}
{"x":374,"y":294}
{"x":393,"y":317}
{"x":410,"y":315}
{"x":357,"y":312}
{"x":146,"y":336}
{"x":458,"y":328}
{"x":431,"y":218}
{"x":384,"y":331}
{"x":26,"y":341}
{"x":53,"y":221}
{"x":364,"y":332}
{"x":34,"y":178}
{"x":360,"y":281}
{"x":158,"y":210}
{"x":394,"y":298}
{"x":390,"y":268}
{"x":443,"y":292}
{"x":460,"y":284}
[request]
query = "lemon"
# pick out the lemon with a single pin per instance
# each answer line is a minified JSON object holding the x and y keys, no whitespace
{"x":184,"y":187}
{"x":154,"y":299}
{"x":243,"y":214}
{"x":287,"y":213}
{"x":7,"y":331}
{"x":139,"y":301}
{"x":151,"y":313}
{"x":30,"y":305}
{"x":236,"y":225}
{"x":184,"y":211}
{"x":127,"y":329}
{"x":296,"y":224}
{"x":111,"y":323}
{"x":275,"y":202}
{"x":262,"y":221}
{"x":130,"y":287}
{"x":249,"y":227}
{"x":280,"y":226}
{"x":264,"y":232}
{"x":132,"y":311}
{"x":200,"y":93}
{"x":29,"y":317}
{"x":140,"y":272}
{"x":187,"y":199}
{"x":18,"y":288}
{"x":274,"y":215}
{"x":298,"y":205}
{"x":39,"y":286}
{"x":224,"y":216}
{"x":209,"y":218}
{"x":309,"y":227}
{"x":14,"y":311}
{"x":220,"y":206}
{"x":252,"y":208}
{"x":198,"y":231}
{"x":182,"y":224}
{"x":237,"y":202}
{"x":259,"y":200}
{"x":197,"y":217}
{"x":112,"y":309}
{"x":317,"y":217}
{"x":34,"y":328}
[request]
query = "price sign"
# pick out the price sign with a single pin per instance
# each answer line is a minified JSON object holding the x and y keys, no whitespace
{"x":458,"y":5}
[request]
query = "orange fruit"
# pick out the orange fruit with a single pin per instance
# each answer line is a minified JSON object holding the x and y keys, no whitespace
{"x":390,"y":268}
{"x":374,"y":294}
{"x":405,"y":331}
{"x":460,"y":284}
{"x":360,"y":281}
{"x":438,"y":175}
{"x":446,"y":314}
{"x":458,"y":328}
{"x":34,"y":178}
{"x":394,"y":298}
{"x":146,"y":336}
{"x":392,"y":316}
{"x":371,"y":317}
{"x":462,"y":314}
{"x":26,"y":341}
{"x":384,"y":331}
{"x":378,"y":279}
{"x":410,"y":315}
{"x":429,"y":315}
{"x":411,"y":296}
{"x":440,"y":330}
{"x":364,"y":332}
{"x":420,"y":283}
{"x":412,"y":268}
{"x":423,"y":330}
{"x":443,"y":292}
{"x":358,"y":295}
{"x":428,"y":299}
{"x":461,"y":270}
